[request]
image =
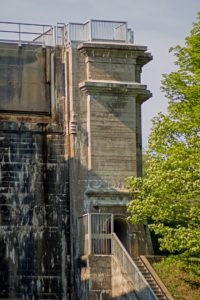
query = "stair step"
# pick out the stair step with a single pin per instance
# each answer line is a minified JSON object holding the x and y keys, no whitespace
{"x":155,"y":288}
{"x":161,"y":297}
{"x":159,"y":294}
{"x":145,"y":274}
{"x":150,"y":280}
{"x":154,"y":284}
{"x":142,"y":268}
{"x":144,"y":271}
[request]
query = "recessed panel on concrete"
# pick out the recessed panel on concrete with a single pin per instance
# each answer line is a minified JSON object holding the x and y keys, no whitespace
{"x":23,"y":83}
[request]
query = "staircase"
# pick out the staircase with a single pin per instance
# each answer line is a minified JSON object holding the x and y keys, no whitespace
{"x":147,"y":283}
{"x":150,"y":279}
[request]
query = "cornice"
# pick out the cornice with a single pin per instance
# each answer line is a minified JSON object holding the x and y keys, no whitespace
{"x":102,"y":49}
{"x":92,"y":87}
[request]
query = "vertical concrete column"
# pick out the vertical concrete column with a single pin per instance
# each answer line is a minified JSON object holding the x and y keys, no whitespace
{"x":114,"y":114}
{"x":105,"y":96}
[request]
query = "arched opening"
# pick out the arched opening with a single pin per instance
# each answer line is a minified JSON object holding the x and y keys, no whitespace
{"x":121,"y":230}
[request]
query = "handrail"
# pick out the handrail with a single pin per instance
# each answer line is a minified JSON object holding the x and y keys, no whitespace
{"x":64,"y":34}
{"x":99,"y":30}
{"x":20,"y":23}
{"x":26,"y":33}
{"x":142,"y":287}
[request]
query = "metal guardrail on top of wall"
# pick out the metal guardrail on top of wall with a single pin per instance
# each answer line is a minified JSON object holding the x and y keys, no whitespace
{"x":94,"y":30}
{"x":99,"y":30}
{"x":26,"y":33}
{"x":64,"y":34}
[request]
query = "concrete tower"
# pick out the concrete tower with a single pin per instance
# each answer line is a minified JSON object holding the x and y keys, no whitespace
{"x":70,"y":133}
{"x":104,"y":96}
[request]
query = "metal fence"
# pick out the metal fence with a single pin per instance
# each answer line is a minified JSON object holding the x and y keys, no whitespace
{"x":62,"y":34}
{"x":141,"y":285}
{"x":99,"y":30}
{"x":95,"y":233}
{"x":108,"y":30}
{"x":26,"y":33}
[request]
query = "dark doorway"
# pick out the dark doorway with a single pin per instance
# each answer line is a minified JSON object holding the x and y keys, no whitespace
{"x":121,"y":230}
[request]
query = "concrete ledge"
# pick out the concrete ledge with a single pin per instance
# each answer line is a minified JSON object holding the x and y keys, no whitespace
{"x":116,"y":50}
{"x":113,"y":49}
{"x":111,"y":45}
{"x":115,"y":87}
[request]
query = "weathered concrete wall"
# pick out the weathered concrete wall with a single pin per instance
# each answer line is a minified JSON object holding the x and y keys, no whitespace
{"x":34,"y":192}
{"x":122,"y":285}
{"x":103,"y":278}
{"x":24,"y":78}
{"x":114,"y":96}
{"x":96,"y":278}
{"x":106,"y":145}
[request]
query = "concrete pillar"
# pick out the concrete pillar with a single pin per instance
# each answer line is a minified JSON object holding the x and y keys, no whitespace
{"x":105,"y":96}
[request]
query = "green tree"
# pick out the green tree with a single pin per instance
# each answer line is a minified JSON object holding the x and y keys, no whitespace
{"x":169,"y":194}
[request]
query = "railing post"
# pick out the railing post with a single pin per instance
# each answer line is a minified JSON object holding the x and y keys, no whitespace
{"x":111,"y":233}
{"x":19,"y":34}
{"x":126,"y":34}
{"x":69,"y":33}
{"x":54,"y":35}
{"x":112,"y":223}
{"x":64,"y":34}
{"x":89,"y":234}
{"x":43,"y":41}
{"x":90,"y":30}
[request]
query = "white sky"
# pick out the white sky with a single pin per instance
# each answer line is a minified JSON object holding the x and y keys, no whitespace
{"x":158,"y":24}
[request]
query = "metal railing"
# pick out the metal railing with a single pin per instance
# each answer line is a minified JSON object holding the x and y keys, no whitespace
{"x":95,"y":233}
{"x":143,"y":289}
{"x":61,"y":34}
{"x":26,"y":33}
{"x":46,"y":35}
{"x":98,"y":30}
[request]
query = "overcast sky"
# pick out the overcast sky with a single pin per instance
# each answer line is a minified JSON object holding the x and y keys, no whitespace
{"x":158,"y":24}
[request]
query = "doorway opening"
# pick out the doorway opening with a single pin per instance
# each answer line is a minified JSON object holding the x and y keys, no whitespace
{"x":121,"y":230}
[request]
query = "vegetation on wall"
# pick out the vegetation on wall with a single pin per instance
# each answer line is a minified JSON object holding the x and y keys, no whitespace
{"x":168,"y":196}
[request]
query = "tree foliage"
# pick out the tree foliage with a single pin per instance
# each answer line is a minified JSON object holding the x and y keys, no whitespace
{"x":169,"y":194}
